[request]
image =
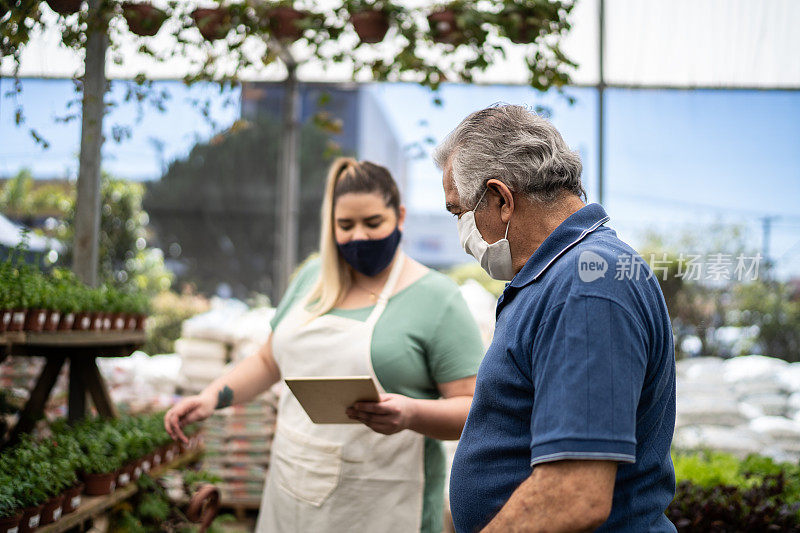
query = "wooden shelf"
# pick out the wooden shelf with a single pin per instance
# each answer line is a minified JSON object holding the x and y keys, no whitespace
{"x":33,"y":343}
{"x":92,"y":506}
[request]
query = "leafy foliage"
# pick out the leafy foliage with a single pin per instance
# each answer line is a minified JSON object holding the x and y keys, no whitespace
{"x":719,"y":493}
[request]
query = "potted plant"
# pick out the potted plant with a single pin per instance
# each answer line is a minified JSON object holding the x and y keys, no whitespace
{"x":65,"y":7}
{"x":285,"y":22}
{"x":101,"y":458}
{"x":143,"y":18}
{"x":370,"y":19}
{"x":10,"y":506}
{"x":213,"y":23}
{"x":33,"y":286}
{"x":444,"y":25}
{"x":21,"y":464}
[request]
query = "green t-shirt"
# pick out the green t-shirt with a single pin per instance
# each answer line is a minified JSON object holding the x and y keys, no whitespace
{"x":426,"y":335}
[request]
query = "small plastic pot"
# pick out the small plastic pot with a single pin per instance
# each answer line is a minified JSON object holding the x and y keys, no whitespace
{"x":35,"y":319}
{"x":72,"y":498}
{"x":100,"y":484}
{"x":52,"y":509}
{"x":31,"y":518}
{"x":140,"y":319}
{"x":66,"y":322}
{"x":125,"y":475}
{"x":83,"y":321}
{"x":52,"y":320}
{"x":17,"y":320}
{"x":10,"y":524}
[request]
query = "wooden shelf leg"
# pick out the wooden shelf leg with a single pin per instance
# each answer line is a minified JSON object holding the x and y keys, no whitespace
{"x":34,"y":409}
{"x":97,"y":388}
{"x":76,"y":408}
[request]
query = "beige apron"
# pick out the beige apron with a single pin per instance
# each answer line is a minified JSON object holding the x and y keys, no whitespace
{"x":337,"y":477}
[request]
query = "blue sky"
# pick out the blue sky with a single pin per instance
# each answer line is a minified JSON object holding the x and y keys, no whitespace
{"x":675,"y":160}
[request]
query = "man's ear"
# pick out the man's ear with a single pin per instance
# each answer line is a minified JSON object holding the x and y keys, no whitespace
{"x":505,"y":198}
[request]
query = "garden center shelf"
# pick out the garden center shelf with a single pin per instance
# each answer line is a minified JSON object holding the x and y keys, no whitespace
{"x":92,"y":506}
{"x":80,"y":348}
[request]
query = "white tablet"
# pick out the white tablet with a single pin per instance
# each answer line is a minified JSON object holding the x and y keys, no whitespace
{"x":325,"y":399}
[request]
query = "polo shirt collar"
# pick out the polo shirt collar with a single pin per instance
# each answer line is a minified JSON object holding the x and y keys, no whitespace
{"x":569,"y":233}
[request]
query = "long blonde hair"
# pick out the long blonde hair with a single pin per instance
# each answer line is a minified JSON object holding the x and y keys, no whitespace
{"x":346,"y":175}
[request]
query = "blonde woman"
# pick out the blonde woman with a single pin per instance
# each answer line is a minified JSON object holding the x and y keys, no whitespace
{"x":361,"y":308}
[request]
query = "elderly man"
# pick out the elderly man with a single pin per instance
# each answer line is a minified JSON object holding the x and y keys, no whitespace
{"x":574,"y":409}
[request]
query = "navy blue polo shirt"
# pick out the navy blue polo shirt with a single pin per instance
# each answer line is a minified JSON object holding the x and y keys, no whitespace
{"x":581,"y":366}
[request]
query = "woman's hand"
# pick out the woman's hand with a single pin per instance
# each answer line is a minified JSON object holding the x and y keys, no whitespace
{"x":188,"y":410}
{"x":392,"y":414}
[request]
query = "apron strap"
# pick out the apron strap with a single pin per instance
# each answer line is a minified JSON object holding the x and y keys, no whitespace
{"x":388,"y":289}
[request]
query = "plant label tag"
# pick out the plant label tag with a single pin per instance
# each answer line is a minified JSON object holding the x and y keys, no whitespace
{"x":137,"y":473}
{"x":34,"y":521}
{"x":6,"y":319}
{"x":146,"y":466}
{"x":41,"y":318}
{"x":75,"y":502}
{"x":113,"y":485}
{"x":56,"y":514}
{"x":14,"y":529}
{"x":19,"y":318}
{"x":86,"y":322}
{"x":124,"y":479}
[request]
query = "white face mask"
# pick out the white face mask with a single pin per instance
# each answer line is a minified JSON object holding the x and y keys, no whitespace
{"x":494,"y":258}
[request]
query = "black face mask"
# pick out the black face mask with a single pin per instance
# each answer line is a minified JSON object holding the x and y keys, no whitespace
{"x":371,"y":256}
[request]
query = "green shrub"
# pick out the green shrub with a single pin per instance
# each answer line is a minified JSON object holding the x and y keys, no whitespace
{"x":717,"y":492}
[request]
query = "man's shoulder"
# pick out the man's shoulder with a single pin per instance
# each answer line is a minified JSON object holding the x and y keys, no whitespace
{"x":603,"y":266}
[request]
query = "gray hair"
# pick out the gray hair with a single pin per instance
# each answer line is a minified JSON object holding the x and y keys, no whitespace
{"x":515,"y":146}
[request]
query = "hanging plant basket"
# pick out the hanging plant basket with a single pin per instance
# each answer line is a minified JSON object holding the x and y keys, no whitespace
{"x":444,"y":27}
{"x":143,"y":19}
{"x":284,"y":23}
{"x":213,"y":23}
{"x":521,"y":27}
{"x":65,"y":7}
{"x":371,"y":25}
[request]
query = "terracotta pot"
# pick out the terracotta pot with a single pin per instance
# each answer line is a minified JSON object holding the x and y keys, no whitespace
{"x":35,"y":319}
{"x":83,"y":321}
{"x":158,"y":457}
{"x":52,"y":509}
{"x":284,"y":23}
{"x":65,"y":7}
{"x":147,"y":462}
{"x":117,"y":321}
{"x":31,"y":518}
{"x":140,"y":320}
{"x":213,"y":23}
{"x":17,"y":321}
{"x":371,"y":26}
{"x":97,"y":320}
{"x":125,"y":475}
{"x":444,"y":27}
{"x":143,"y":19}
{"x":100,"y":484}
{"x":66,"y":322}
{"x":5,"y":319}
{"x":10,"y":524}
{"x":72,"y":498}
{"x":52,"y":320}
{"x":130,"y":321}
